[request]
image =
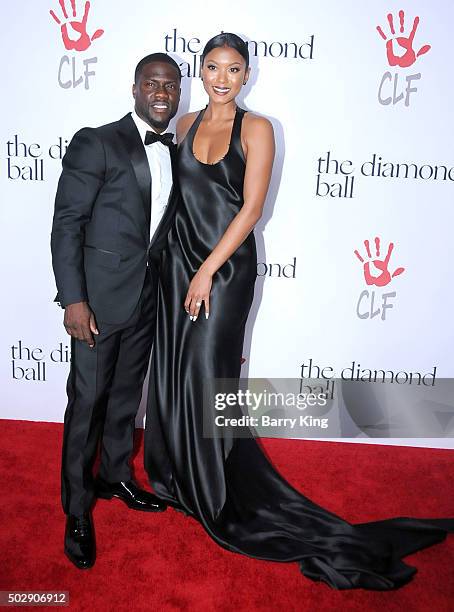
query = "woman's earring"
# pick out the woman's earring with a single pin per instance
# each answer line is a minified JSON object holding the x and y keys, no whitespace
{"x":244,"y":82}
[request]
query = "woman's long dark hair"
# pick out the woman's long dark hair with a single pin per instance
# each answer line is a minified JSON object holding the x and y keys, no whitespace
{"x":227,"y":39}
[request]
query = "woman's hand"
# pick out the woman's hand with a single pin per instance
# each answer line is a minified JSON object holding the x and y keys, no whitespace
{"x":198,"y":292}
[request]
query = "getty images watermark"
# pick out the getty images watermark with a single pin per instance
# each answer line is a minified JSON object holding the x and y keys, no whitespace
{"x":311,"y":408}
{"x":263,"y":408}
{"x":271,"y":400}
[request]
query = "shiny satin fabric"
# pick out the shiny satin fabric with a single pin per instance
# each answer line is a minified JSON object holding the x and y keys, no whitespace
{"x":228,"y":484}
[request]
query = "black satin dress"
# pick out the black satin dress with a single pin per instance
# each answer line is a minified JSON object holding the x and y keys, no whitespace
{"x":228,"y":484}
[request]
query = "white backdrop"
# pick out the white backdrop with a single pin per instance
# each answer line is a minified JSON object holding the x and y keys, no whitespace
{"x":341,"y":94}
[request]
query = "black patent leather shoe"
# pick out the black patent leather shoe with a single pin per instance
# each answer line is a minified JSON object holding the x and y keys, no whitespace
{"x":80,"y":540}
{"x":129,"y":492}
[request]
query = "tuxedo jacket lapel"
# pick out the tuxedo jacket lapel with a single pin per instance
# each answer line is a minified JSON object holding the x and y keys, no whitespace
{"x":139,"y":161}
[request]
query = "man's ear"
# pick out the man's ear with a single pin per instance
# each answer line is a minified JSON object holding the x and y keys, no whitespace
{"x":133,"y":90}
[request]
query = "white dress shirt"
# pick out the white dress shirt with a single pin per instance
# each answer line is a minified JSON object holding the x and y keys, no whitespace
{"x":158,"y":156}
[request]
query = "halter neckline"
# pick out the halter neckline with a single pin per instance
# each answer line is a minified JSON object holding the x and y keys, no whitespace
{"x":238,"y":114}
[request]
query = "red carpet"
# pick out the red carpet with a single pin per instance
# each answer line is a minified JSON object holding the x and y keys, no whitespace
{"x":167,"y":562}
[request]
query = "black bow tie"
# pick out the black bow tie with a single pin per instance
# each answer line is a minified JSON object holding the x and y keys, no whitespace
{"x":166,"y":139}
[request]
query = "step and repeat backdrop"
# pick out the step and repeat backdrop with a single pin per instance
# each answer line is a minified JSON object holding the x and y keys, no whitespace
{"x":355,"y":244}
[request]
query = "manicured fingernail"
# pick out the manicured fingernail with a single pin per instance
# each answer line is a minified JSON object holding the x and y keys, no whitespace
{"x":207,"y":314}
{"x":191,"y":318}
{"x":194,"y":318}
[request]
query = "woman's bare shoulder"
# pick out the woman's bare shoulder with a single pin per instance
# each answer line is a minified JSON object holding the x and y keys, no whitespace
{"x":184,"y":124}
{"x":257,"y":129}
{"x":256,"y":124}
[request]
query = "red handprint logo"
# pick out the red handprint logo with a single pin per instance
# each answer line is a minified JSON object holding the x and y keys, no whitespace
{"x":81,"y":40}
{"x":380,"y":265}
{"x":405,"y":43}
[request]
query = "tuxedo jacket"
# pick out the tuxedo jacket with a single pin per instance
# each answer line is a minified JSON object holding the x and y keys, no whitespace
{"x":101,"y":227}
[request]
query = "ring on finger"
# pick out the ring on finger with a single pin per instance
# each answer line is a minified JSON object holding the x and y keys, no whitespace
{"x":198,"y":303}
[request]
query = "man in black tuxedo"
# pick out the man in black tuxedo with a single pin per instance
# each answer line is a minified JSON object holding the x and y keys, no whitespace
{"x":115,"y":202}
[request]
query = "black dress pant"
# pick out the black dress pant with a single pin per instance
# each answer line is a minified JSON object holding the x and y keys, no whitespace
{"x":104,"y":391}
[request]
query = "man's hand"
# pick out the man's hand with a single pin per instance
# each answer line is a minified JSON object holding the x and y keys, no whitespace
{"x":80,"y":323}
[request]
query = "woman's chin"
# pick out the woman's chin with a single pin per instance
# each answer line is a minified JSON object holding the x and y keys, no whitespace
{"x":220,"y":99}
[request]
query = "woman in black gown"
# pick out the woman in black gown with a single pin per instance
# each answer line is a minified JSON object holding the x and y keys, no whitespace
{"x":224,"y":164}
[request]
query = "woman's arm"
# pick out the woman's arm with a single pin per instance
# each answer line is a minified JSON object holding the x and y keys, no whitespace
{"x":259,"y":147}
